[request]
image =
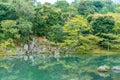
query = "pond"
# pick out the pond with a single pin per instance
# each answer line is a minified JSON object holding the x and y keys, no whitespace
{"x":68,"y":67}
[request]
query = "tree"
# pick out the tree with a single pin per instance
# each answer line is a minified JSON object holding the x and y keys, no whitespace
{"x":56,"y":34}
{"x":76,"y":29}
{"x":77,"y":25}
{"x":27,"y":11}
{"x":117,"y":8}
{"x":103,"y":24}
{"x":25,"y":29}
{"x":86,"y":8}
{"x":17,"y":30}
{"x":106,"y":27}
{"x":9,"y":29}
{"x":116,"y":28}
{"x":63,"y":5}
{"x":110,"y":41}
{"x":7,"y":12}
{"x":45,"y":17}
{"x":98,"y":5}
{"x":108,"y":6}
{"x":67,"y":10}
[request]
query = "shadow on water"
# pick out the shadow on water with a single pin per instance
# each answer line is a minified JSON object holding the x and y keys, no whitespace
{"x":68,"y":67}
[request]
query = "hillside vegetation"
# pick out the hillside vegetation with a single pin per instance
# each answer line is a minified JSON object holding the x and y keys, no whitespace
{"x":91,"y":26}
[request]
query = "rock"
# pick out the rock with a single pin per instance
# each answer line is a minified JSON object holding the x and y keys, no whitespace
{"x":116,"y":69}
{"x":103,"y":68}
{"x":26,"y":47}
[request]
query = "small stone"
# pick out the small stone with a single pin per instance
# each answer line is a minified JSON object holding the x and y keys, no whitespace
{"x":116,"y":69}
{"x":103,"y":68}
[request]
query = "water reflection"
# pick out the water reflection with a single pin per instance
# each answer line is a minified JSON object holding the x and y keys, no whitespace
{"x":44,"y":67}
{"x":104,"y":74}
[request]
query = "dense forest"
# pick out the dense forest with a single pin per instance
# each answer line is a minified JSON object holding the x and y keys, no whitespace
{"x":83,"y":26}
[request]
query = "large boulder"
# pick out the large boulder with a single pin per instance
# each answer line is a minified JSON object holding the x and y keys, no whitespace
{"x":103,"y":68}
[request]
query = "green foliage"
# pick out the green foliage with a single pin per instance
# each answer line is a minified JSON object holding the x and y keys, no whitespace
{"x":76,"y":28}
{"x":19,"y":30}
{"x":25,"y":28}
{"x":86,"y":8}
{"x":117,"y":8}
{"x":80,"y":27}
{"x":6,"y":45}
{"x":110,"y":41}
{"x":108,"y":6}
{"x":26,"y":11}
{"x":67,"y":11}
{"x":9,"y":29}
{"x":76,"y":25}
{"x":63,"y":5}
{"x":46,"y":16}
{"x":103,"y":24}
{"x":7,"y":12}
{"x":116,"y":16}
{"x":99,"y":6}
{"x":109,"y":36}
{"x":56,"y":34}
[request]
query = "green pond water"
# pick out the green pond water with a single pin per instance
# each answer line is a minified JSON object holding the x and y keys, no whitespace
{"x":68,"y":67}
